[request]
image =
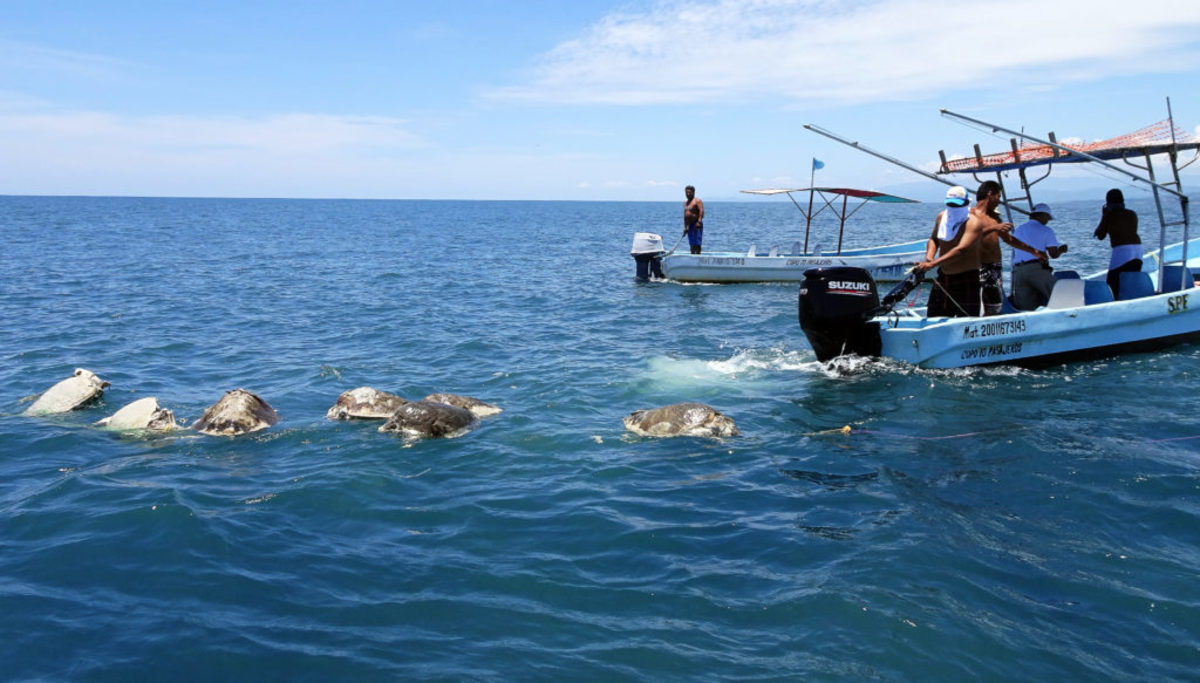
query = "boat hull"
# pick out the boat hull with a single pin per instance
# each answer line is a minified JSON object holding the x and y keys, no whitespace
{"x":883,"y":265}
{"x":1047,"y":336}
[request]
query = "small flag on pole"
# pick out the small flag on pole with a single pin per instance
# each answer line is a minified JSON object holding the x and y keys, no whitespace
{"x":817,"y":163}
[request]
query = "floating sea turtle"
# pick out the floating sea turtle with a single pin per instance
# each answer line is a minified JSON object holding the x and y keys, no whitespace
{"x":238,"y":412}
{"x":479,"y":408}
{"x":681,"y":419}
{"x":430,"y":419}
{"x":71,"y":393}
{"x":365,"y":403}
{"x":144,"y":413}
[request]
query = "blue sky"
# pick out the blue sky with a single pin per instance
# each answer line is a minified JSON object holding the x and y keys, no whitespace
{"x":580,"y":100}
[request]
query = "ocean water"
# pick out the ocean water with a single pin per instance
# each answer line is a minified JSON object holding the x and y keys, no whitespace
{"x":874,"y":521}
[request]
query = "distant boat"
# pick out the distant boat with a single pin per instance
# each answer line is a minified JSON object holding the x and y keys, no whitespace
{"x":885,"y":262}
{"x":840,"y":311}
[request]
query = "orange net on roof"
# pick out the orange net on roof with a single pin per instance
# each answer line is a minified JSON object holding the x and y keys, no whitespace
{"x":1153,"y":138}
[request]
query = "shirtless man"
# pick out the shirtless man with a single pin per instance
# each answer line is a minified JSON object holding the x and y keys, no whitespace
{"x":693,"y":219}
{"x":991,"y":265}
{"x":953,"y":248}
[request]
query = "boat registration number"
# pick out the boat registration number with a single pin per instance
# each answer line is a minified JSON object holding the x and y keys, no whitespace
{"x":722,"y":261}
{"x":993,"y":329}
{"x":1177,"y":304}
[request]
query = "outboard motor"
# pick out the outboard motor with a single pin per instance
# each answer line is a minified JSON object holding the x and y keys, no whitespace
{"x":648,"y":252}
{"x":836,"y":306}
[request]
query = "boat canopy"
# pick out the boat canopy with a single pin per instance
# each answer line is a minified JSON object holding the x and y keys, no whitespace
{"x":829,"y":195}
{"x":868,"y":195}
{"x":1158,"y":138}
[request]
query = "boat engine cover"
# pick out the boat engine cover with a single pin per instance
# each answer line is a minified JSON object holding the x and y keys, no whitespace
{"x":647,"y":243}
{"x":835,"y":309}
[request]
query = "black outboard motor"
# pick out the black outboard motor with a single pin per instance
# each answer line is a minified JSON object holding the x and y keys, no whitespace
{"x":836,"y":306}
{"x":648,"y":251}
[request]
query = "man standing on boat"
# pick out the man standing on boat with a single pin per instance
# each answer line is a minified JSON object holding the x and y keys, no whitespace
{"x":1120,"y":225}
{"x":693,"y":219}
{"x":953,"y":248}
{"x":1032,"y":276}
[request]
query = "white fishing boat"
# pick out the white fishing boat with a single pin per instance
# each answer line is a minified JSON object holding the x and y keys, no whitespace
{"x":1158,"y":307}
{"x":776,"y":264}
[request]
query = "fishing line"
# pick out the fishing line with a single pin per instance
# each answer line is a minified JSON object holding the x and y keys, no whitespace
{"x":847,"y":430}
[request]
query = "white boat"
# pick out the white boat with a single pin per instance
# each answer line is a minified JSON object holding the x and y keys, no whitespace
{"x":1159,"y":306}
{"x":884,"y":262}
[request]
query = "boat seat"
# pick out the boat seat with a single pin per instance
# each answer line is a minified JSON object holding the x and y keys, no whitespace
{"x":1096,"y":292}
{"x":1066,"y":275}
{"x":752,"y":251}
{"x":1170,"y":278}
{"x":1067,"y":293}
{"x":774,"y":251}
{"x":797,"y":249}
{"x":1135,"y":285}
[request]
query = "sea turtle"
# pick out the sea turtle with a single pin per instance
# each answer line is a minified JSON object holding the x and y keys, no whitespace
{"x":681,"y":419}
{"x":365,"y":403}
{"x":479,"y":408}
{"x":238,"y":412}
{"x":73,"y":392}
{"x":429,"y":419}
{"x":144,"y":413}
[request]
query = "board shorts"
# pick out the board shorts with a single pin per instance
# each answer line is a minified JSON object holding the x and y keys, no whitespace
{"x":991,"y":284}
{"x":963,"y":288}
{"x":695,"y":232}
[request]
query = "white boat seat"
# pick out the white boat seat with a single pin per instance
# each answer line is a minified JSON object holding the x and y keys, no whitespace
{"x":1170,"y":278}
{"x":1135,"y":285}
{"x":1096,"y":292}
{"x":774,"y":251}
{"x":797,"y":249}
{"x":1066,"y":294}
{"x":752,"y":251}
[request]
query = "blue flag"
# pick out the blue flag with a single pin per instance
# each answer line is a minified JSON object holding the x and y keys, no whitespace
{"x":817,"y":163}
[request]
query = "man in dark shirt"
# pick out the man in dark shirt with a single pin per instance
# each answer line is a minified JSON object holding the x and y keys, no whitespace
{"x":1120,"y":226}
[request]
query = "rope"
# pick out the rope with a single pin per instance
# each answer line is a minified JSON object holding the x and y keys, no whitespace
{"x":675,"y":245}
{"x":952,"y":299}
{"x":847,"y":430}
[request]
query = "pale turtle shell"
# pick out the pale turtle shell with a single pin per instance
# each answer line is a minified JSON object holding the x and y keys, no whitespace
{"x":73,"y":392}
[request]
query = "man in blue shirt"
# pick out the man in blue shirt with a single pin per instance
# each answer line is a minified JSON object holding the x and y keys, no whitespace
{"x":1032,"y":276}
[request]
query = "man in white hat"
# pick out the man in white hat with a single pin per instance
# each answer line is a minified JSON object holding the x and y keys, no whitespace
{"x":1032,"y":276}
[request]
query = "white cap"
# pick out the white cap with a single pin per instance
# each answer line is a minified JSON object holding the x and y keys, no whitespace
{"x":956,"y":196}
{"x":1042,"y":208}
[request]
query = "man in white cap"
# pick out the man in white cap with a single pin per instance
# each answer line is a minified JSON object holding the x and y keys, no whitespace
{"x":1032,"y":276}
{"x":953,"y":248}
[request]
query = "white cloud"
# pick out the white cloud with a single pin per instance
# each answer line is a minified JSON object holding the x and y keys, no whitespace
{"x":827,"y":51}
{"x":18,"y":56}
{"x":283,"y":155}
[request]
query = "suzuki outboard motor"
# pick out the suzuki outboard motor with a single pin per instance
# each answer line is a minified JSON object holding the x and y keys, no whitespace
{"x":836,"y":306}
{"x":648,"y":252}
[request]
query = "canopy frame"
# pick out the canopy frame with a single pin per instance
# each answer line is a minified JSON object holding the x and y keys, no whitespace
{"x":1051,"y":151}
{"x":1127,"y":153}
{"x":829,"y":195}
